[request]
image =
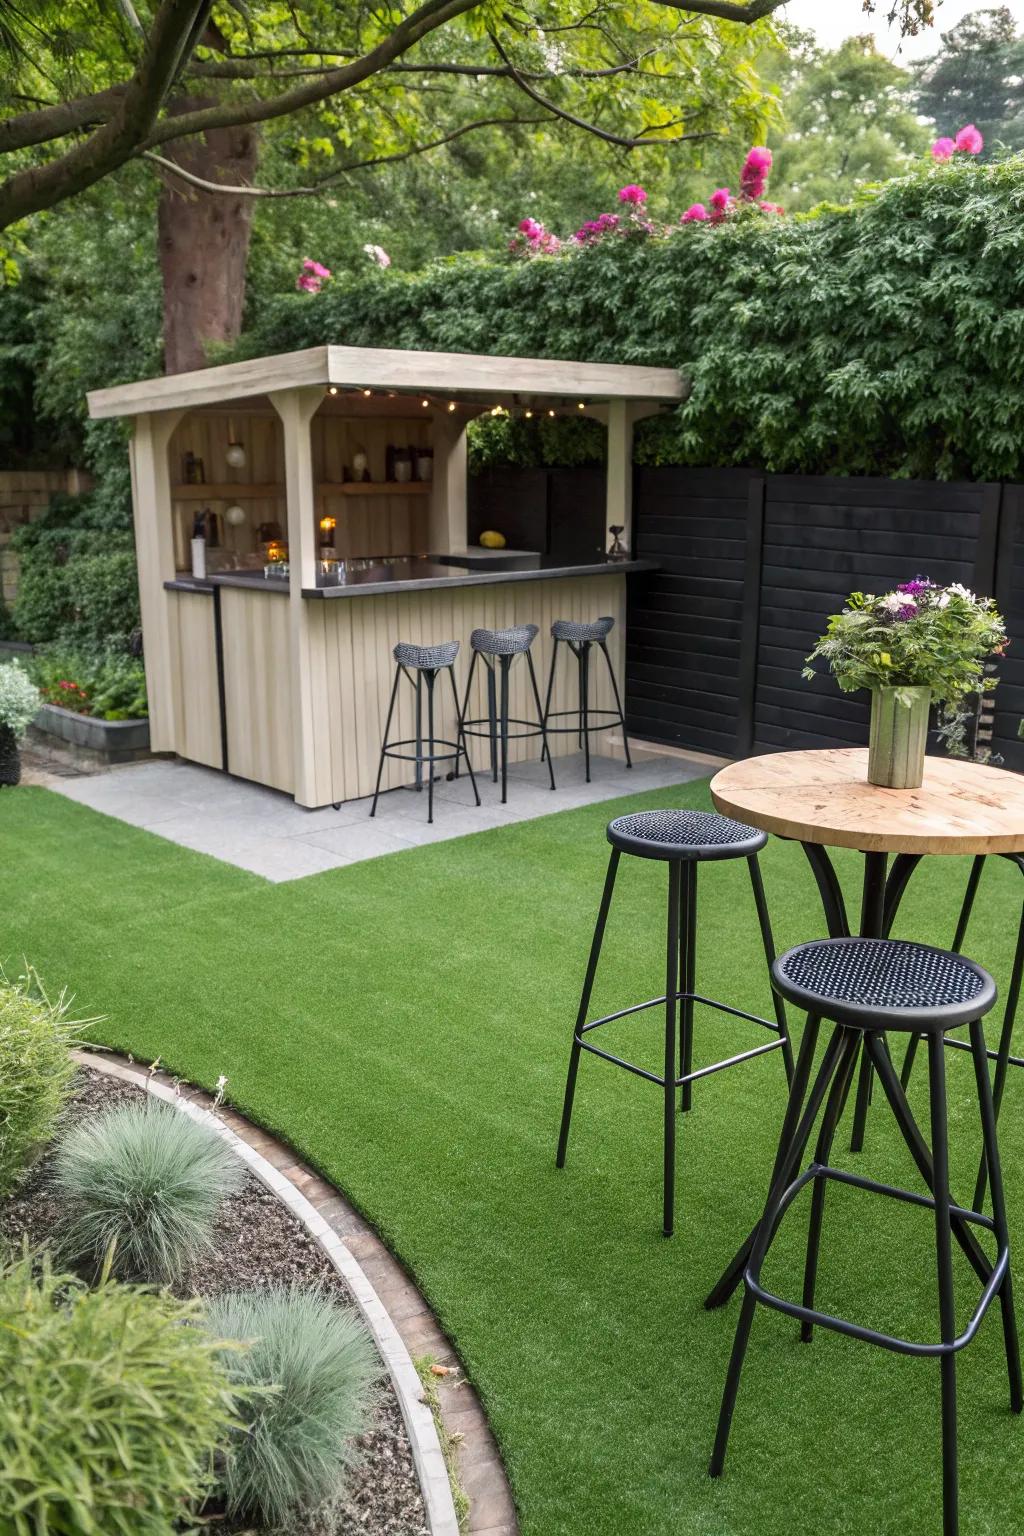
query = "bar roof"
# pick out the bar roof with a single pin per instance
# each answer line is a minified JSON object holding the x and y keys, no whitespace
{"x":461,"y":374}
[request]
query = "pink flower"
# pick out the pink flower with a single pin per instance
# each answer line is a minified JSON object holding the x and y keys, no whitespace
{"x":943,"y":149}
{"x":969,"y":140}
{"x":721,"y":199}
{"x":307,"y":283}
{"x":316,"y":268}
{"x":530,"y":228}
{"x":771,"y":208}
{"x":758,"y":159}
{"x":632,"y":194}
{"x":378,"y":254}
{"x":696,"y":213}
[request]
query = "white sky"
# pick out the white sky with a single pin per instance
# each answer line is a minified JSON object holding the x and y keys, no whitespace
{"x":834,"y":20}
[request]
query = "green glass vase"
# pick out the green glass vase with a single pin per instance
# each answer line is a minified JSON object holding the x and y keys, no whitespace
{"x":899,"y":732}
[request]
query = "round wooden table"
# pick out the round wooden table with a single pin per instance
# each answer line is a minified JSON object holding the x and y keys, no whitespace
{"x":823,"y":800}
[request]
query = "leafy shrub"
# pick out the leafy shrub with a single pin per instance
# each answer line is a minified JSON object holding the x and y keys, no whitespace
{"x":880,"y":339}
{"x":35,"y":1070}
{"x":557,"y":442}
{"x":76,"y":577}
{"x":108,"y":684}
{"x":148,"y":1179}
{"x":19,"y":698}
{"x":298,"y":1445}
{"x":111,"y":1407}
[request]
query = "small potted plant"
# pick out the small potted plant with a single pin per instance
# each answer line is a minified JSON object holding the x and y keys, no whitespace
{"x":919,"y":645}
{"x":19,"y":704}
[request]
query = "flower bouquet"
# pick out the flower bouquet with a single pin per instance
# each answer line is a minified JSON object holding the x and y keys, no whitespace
{"x":918,"y":645}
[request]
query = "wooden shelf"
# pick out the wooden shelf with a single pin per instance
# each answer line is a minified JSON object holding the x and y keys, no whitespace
{"x":373,"y":488}
{"x":213,"y":492}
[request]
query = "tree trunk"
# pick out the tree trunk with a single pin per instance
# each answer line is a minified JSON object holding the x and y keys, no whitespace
{"x":204,"y":242}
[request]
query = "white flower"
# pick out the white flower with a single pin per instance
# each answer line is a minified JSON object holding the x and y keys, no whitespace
{"x":957,"y":589}
{"x":942,"y":601}
{"x":892,"y":602}
{"x":378,"y":254}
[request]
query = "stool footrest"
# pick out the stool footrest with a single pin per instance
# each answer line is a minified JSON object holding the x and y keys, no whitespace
{"x":577,"y":716}
{"x":420,"y":756}
{"x":534,"y":728}
{"x":816,"y":1171}
{"x":682,"y":997}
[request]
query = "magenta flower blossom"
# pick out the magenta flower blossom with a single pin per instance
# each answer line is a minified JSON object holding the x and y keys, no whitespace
{"x":908,"y":611}
{"x":316,"y":268}
{"x":632,"y":194}
{"x":943,"y":149}
{"x":694,"y":214}
{"x":721,"y":199}
{"x":530,"y":228}
{"x":759,"y":158}
{"x":771,"y":208}
{"x":969,"y":140}
{"x":916,"y":587}
{"x":306,"y":282}
{"x":754,"y":175}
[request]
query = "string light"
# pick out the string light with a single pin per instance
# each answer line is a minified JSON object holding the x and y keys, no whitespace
{"x":425,"y":404}
{"x":451,"y":405}
{"x":581,"y":406}
{"x":333,"y":390}
{"x":528,"y":414}
{"x":367,"y":393}
{"x":551,"y":413}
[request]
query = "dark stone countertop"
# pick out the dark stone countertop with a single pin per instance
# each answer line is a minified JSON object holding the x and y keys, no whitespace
{"x":414,"y":575}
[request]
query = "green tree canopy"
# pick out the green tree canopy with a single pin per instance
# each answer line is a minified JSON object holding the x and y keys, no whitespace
{"x":977,"y":77}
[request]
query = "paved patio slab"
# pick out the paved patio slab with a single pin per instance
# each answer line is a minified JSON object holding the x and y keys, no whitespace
{"x":265,"y":832}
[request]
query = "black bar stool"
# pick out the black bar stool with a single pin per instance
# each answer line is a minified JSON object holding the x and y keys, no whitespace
{"x":682,"y":840}
{"x":421,"y":665}
{"x":502,"y":646}
{"x":865,"y":987}
{"x":579,"y":638}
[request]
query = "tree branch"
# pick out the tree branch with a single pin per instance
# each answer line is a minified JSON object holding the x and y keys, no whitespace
{"x":421,"y":149}
{"x":53,"y":122}
{"x":173,"y":32}
{"x":726,"y":10}
{"x":579,"y":122}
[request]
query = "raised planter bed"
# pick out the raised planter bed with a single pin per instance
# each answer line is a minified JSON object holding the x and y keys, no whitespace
{"x":113,"y":741}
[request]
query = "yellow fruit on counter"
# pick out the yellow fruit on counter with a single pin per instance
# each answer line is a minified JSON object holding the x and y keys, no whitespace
{"x":492,"y":540}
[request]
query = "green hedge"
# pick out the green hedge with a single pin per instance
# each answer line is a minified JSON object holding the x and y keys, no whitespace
{"x":887,"y":338}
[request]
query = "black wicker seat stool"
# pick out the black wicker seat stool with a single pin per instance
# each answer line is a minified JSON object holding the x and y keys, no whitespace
{"x":584,"y":720}
{"x":683,"y":840}
{"x":421,"y":665}
{"x":498,"y":649}
{"x":866,"y":987}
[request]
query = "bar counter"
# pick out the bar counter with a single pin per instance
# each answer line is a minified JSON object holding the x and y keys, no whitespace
{"x":236,"y":706}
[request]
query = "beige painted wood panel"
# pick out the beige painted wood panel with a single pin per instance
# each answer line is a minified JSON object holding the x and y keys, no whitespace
{"x":358,"y":634}
{"x":258,"y":686}
{"x":824,"y":797}
{"x":194,"y":665}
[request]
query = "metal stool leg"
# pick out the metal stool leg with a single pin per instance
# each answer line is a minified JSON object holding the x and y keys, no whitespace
{"x":786,"y":1163}
{"x":1003,"y":1055}
{"x":418,"y":685}
{"x":505,"y":663}
{"x":688,"y":983}
{"x":581,"y":1017}
{"x":826,"y":1136}
{"x":992,"y":1162}
{"x":966,"y":908}
{"x":460,"y":735}
{"x":584,"y":670}
{"x":671,"y":1005}
{"x":542,"y":718}
{"x":384,"y":743}
{"x":431,"y":679}
{"x":492,"y":719}
{"x":547,"y":697}
{"x":768,"y":943}
{"x":944,"y":1259}
{"x":618,"y":702}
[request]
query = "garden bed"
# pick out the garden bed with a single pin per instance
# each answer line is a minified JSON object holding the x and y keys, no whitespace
{"x":112,"y":741}
{"x":258,"y":1244}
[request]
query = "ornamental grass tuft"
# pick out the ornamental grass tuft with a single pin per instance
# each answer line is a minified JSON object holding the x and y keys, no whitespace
{"x":148,"y":1180}
{"x":299,"y":1443}
{"x":111,"y":1408}
{"x":35,"y":1070}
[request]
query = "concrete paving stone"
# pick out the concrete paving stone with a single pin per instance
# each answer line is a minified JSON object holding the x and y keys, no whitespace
{"x":490,"y":1501}
{"x":364,"y":840}
{"x":280,"y":860}
{"x":363,"y":1245}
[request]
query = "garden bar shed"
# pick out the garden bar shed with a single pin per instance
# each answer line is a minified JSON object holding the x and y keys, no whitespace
{"x":297,"y":516}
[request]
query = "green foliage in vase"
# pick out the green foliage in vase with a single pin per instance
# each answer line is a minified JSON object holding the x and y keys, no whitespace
{"x":919,"y":636}
{"x":298,"y":1444}
{"x":112,"y":1407}
{"x":36,"y":1035}
{"x":143,"y":1182}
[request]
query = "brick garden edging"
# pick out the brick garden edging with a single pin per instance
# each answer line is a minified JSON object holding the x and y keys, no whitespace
{"x":402,"y":1324}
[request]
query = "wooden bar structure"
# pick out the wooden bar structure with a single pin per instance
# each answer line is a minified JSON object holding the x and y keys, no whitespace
{"x":285,"y":681}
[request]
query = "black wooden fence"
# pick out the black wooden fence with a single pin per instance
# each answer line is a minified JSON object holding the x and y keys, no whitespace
{"x":751,"y":567}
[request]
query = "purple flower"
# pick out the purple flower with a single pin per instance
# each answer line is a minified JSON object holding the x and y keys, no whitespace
{"x":916,"y":587}
{"x":908,"y":611}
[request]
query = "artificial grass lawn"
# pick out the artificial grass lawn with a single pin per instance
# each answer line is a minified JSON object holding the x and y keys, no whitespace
{"x":405,"y":1023}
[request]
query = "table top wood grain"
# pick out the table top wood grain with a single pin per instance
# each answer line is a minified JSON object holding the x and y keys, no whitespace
{"x":824,"y":797}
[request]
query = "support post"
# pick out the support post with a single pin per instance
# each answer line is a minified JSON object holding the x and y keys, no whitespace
{"x":296,"y":408}
{"x":154,"y":554}
{"x":619,"y":493}
{"x":448,"y":524}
